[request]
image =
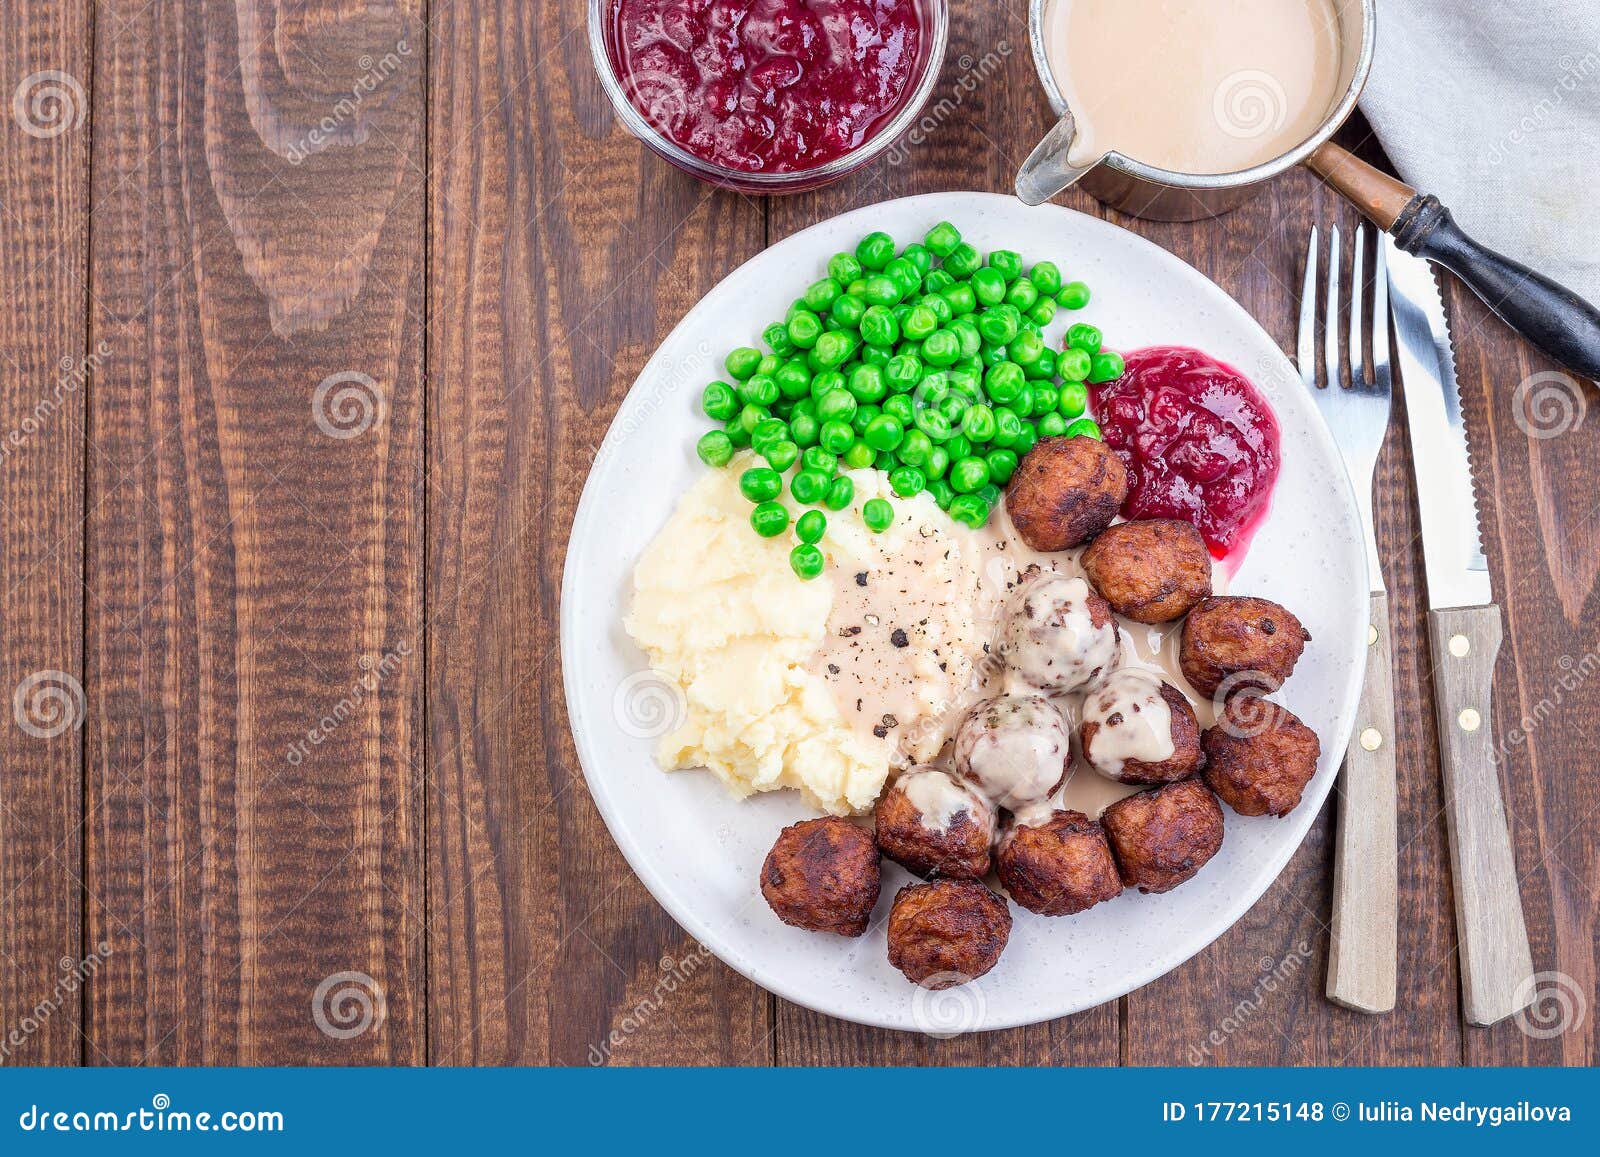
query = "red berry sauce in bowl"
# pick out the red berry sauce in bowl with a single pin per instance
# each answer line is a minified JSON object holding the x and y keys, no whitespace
{"x":1198,"y":439}
{"x":769,"y":95}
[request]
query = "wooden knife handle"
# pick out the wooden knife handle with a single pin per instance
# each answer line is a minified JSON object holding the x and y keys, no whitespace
{"x":1361,"y":961}
{"x":1496,"y":965}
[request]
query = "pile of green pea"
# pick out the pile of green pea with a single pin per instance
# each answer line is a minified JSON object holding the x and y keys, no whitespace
{"x":927,"y":363}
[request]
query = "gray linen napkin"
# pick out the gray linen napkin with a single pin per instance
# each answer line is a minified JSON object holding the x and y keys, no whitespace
{"x":1493,"y":106}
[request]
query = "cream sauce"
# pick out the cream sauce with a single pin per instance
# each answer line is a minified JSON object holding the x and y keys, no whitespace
{"x":1049,"y":642}
{"x":940,"y":799}
{"x":1194,"y":86}
{"x":1134,"y":721}
{"x":949,"y":589}
{"x":1014,"y":749}
{"x":916,"y":609}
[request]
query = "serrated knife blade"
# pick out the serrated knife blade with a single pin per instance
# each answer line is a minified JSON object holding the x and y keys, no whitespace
{"x":1464,"y":634}
{"x":1452,"y":546}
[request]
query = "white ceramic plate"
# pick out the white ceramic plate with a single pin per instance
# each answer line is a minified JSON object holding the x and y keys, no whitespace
{"x":699,"y":851}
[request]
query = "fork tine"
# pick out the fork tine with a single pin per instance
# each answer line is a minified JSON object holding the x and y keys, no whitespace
{"x":1330,"y":336}
{"x":1380,"y":321}
{"x":1358,"y":361}
{"x":1307,"y":351}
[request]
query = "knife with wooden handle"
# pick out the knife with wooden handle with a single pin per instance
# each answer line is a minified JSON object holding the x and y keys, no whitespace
{"x":1464,"y":628}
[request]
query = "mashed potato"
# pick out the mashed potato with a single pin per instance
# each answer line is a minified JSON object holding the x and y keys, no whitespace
{"x":718,"y":611}
{"x":823,"y":685}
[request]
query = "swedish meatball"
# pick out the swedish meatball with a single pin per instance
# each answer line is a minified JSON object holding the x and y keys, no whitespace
{"x":1057,"y":635}
{"x":1162,"y":837}
{"x":1065,"y":491}
{"x":1240,"y":642}
{"x":1013,"y":748}
{"x":947,"y":932}
{"x":1260,"y":756}
{"x":1152,"y":571}
{"x":822,"y":875}
{"x":935,"y":825}
{"x":1138,"y":728}
{"x":1059,"y":867}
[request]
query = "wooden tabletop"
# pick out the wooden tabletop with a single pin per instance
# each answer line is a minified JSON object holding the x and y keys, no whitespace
{"x":314,"y":315}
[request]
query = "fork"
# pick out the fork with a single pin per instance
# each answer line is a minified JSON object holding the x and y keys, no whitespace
{"x":1361,"y":959}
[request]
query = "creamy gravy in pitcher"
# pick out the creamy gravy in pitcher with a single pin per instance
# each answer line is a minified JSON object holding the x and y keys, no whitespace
{"x":1194,"y":86}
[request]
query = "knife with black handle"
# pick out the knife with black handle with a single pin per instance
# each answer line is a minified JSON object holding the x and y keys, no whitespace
{"x":1552,"y":317}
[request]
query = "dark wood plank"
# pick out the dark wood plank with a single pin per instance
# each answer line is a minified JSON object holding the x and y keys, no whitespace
{"x":561,"y":256}
{"x":1536,"y":446}
{"x":44,"y":191}
{"x":254,"y":648}
{"x":1256,"y":996}
{"x":982,"y":121}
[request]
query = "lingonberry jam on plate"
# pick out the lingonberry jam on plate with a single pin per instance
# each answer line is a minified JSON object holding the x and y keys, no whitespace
{"x":1198,"y":439}
{"x":772,"y":86}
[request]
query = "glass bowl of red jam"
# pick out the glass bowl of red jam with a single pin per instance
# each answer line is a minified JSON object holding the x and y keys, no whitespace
{"x":768,"y":96}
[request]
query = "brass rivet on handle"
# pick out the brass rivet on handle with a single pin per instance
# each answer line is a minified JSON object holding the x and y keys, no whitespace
{"x":1469,"y":719}
{"x":1459,"y":646}
{"x":1371,"y":739}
